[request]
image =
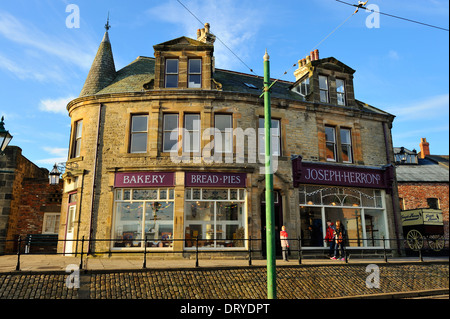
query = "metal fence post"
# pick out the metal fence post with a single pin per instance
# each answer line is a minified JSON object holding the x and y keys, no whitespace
{"x":82,"y":251}
{"x":299,"y":251}
{"x":145,"y":253}
{"x":19,"y":243}
{"x":250,"y":250}
{"x":196,"y":251}
{"x":384,"y":250}
{"x":420,"y":254}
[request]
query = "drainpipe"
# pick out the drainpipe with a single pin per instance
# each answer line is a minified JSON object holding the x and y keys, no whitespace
{"x":389,"y":162}
{"x":94,"y":175}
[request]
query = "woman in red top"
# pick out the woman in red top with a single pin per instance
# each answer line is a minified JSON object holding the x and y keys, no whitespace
{"x":284,"y":242}
{"x":329,"y":238}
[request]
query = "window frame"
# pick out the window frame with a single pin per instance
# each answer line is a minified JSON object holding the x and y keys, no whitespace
{"x":191,"y":149}
{"x":327,"y":90}
{"x":77,"y":139}
{"x":261,"y":137}
{"x":341,"y":94}
{"x":194,"y":73}
{"x":224,"y":134}
{"x":132,"y":133}
{"x":166,"y":73}
{"x":436,"y":202}
{"x":350,"y":146}
{"x":334,"y":143}
{"x":164,"y":131}
{"x":56,"y":222}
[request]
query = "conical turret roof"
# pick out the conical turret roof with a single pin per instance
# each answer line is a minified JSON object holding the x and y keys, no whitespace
{"x":103,"y":70}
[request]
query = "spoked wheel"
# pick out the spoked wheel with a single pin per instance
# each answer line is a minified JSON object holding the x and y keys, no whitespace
{"x":414,"y":239}
{"x":436,"y":242}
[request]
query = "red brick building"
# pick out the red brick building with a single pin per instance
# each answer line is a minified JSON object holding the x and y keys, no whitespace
{"x":423,"y":180}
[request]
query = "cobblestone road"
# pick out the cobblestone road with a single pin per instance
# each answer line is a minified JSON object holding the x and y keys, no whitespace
{"x":304,"y":282}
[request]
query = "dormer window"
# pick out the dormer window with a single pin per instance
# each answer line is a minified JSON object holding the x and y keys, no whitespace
{"x":303,"y":88}
{"x":195,"y":73}
{"x":340,"y":90}
{"x":323,"y":86}
{"x":171,"y":73}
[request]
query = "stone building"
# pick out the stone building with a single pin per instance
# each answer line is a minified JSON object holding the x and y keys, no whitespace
{"x":28,"y":204}
{"x":169,"y":148}
{"x":423,"y":180}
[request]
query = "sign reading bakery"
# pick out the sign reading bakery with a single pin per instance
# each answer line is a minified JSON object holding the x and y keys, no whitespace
{"x":340,"y":175}
{"x":145,"y":179}
{"x":212,"y":179}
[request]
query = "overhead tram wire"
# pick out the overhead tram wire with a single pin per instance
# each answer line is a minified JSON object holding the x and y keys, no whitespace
{"x":394,"y":16}
{"x":217,"y":37}
{"x":315,"y":47}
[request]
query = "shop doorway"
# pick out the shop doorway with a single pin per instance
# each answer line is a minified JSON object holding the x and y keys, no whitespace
{"x":278,"y":211}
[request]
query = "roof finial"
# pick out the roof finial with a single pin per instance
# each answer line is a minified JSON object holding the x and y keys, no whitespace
{"x":107,"y":26}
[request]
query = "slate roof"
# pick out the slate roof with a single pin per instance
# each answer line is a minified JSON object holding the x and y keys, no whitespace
{"x":427,"y":171}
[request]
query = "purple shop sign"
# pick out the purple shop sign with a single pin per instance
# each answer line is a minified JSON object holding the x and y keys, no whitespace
{"x":145,"y":179}
{"x":211,"y":179}
{"x":340,"y":175}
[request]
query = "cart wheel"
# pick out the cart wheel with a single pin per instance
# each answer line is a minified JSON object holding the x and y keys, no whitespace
{"x":436,"y":242}
{"x":414,"y":239}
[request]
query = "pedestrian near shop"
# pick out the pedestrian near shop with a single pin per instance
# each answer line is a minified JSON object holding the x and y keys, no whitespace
{"x":284,"y":243}
{"x":329,"y":237}
{"x":339,"y":238}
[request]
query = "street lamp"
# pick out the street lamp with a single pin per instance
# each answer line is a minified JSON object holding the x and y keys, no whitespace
{"x":5,"y":137}
{"x":53,"y":177}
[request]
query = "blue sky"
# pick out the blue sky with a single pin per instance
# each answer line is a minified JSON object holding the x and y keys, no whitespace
{"x":401,"y":67}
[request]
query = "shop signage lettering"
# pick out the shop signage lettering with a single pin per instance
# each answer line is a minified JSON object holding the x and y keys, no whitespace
{"x":330,"y":175}
{"x":144,"y":179}
{"x":203,"y":179}
{"x":341,"y":175}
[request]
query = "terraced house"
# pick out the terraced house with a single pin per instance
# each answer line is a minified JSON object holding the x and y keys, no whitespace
{"x":167,"y":152}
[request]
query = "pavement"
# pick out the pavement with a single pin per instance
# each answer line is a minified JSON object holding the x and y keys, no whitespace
{"x":123,"y":277}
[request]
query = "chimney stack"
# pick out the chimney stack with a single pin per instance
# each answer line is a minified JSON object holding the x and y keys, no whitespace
{"x":424,"y":148}
{"x":204,"y":35}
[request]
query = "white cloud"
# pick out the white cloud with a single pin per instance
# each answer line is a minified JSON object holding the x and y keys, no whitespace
{"x":234,"y":23}
{"x":59,"y":151}
{"x":393,"y":55}
{"x":433,"y":107}
{"x":59,"y":156}
{"x":55,"y":105}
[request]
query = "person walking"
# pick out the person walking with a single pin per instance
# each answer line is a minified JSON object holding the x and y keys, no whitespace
{"x":329,"y":237}
{"x":284,"y":243}
{"x":339,"y":238}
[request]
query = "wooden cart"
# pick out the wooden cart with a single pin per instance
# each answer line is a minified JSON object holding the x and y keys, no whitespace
{"x":420,"y":225}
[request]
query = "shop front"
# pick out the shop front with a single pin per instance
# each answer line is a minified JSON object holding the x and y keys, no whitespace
{"x":147,"y":210}
{"x":357,"y":196}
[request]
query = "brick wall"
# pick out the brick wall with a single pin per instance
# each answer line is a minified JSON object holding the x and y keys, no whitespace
{"x":415,"y":196}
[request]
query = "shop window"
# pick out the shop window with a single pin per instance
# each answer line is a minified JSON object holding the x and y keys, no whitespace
{"x":340,"y":90}
{"x":223,"y":141}
{"x":361,"y":211}
{"x":215,"y":217}
{"x":330,"y":137}
{"x":191,"y":137}
{"x":76,"y":146}
{"x":323,"y":88}
{"x":170,"y":132}
{"x":275,"y":133}
{"x":139,"y":132}
{"x":195,"y":73}
{"x":143,"y":213}
{"x":171,"y":74}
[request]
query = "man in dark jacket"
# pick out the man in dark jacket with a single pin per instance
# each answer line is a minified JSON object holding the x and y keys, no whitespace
{"x":340,"y":236}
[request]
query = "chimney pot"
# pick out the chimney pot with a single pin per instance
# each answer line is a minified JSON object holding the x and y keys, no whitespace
{"x":308,"y":59}
{"x":316,"y":54}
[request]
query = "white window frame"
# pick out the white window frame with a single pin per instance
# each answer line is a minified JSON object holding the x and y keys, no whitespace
{"x":165,"y":130}
{"x":348,"y":145}
{"x":77,"y":138}
{"x":341,"y":94}
{"x":226,"y":135}
{"x":275,"y":134}
{"x":321,"y":89}
{"x":331,"y":142}
{"x":196,"y":86}
{"x":166,"y":73}
{"x":195,"y":132}
{"x":132,"y":133}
